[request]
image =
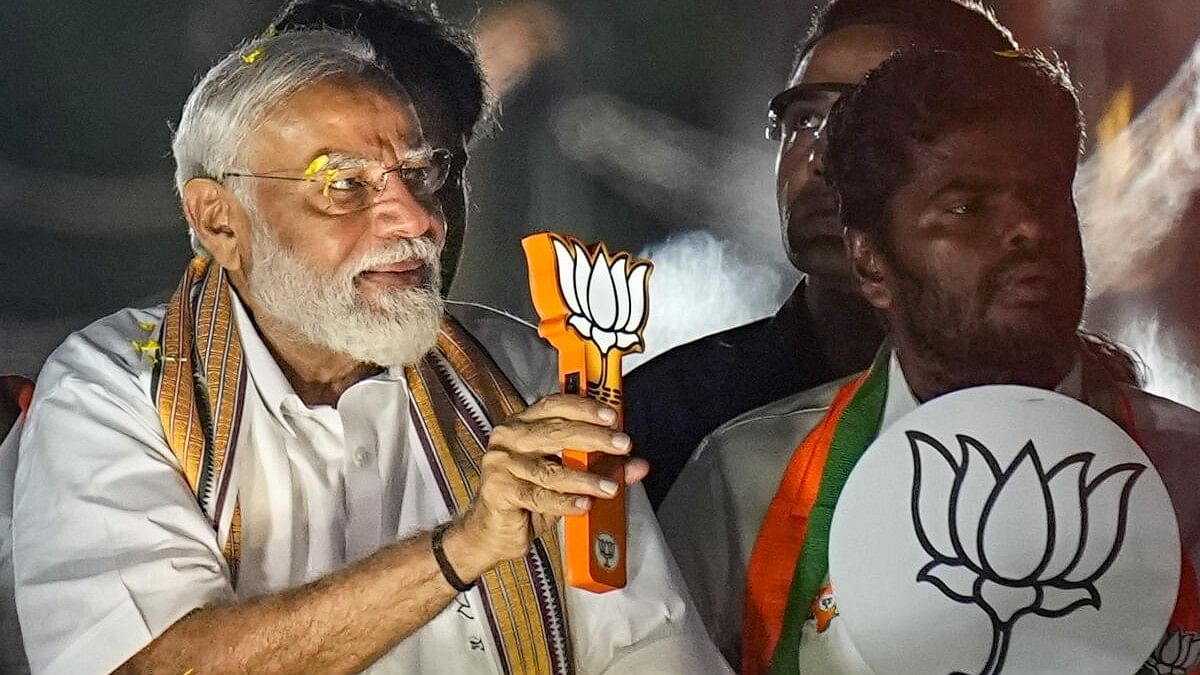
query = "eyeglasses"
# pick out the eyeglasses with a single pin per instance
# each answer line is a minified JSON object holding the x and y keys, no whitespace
{"x":799,"y":113}
{"x":343,"y":184}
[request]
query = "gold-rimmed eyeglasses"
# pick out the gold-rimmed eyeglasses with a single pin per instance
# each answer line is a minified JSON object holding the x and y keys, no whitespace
{"x":344,"y":184}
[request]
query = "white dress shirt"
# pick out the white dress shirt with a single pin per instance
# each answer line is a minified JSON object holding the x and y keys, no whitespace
{"x":111,"y":548}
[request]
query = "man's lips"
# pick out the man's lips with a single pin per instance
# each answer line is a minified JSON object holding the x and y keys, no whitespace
{"x":815,"y":221}
{"x":403,"y":274}
{"x":1029,"y":283}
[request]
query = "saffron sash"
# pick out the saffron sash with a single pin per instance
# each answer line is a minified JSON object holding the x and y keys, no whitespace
{"x":199,"y":384}
{"x":790,"y":557}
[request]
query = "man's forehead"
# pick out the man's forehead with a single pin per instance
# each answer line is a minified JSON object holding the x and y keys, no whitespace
{"x":987,"y":153}
{"x":847,"y":54}
{"x":342,"y":117}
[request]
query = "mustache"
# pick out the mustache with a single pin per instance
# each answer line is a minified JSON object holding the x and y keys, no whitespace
{"x":814,"y":201}
{"x":995,"y":279}
{"x":420,"y":248}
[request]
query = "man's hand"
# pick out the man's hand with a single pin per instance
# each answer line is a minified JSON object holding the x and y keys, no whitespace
{"x":525,"y":488}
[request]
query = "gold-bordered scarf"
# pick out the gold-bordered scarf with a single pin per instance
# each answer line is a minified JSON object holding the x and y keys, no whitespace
{"x":199,"y":385}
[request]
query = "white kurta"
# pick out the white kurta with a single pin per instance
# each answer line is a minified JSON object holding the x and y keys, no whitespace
{"x":110,"y":547}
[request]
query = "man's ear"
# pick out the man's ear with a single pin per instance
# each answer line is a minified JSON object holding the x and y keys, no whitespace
{"x":870,"y":268}
{"x":217,"y":219}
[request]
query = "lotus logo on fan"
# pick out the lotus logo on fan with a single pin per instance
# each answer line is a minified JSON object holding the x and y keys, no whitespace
{"x":1177,"y":654}
{"x":607,"y":297}
{"x":965,"y":507}
{"x":607,"y":551}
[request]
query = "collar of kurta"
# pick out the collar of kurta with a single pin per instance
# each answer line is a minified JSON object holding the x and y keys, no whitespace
{"x":199,"y":385}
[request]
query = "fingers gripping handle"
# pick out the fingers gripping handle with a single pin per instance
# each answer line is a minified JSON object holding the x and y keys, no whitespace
{"x":592,"y":308}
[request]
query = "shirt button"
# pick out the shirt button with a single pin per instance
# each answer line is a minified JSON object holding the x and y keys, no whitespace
{"x":361,"y":457}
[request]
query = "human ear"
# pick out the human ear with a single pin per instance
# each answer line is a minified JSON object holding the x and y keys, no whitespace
{"x":870,"y":268}
{"x":217,"y":219}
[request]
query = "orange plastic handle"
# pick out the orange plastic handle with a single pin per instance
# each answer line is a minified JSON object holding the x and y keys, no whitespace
{"x":596,"y":541}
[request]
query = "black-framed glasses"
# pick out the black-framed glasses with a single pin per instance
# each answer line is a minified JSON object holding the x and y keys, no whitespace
{"x":344,"y":184}
{"x":801,"y":111}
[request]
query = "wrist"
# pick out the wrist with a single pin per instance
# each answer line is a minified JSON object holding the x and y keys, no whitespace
{"x":462,"y":557}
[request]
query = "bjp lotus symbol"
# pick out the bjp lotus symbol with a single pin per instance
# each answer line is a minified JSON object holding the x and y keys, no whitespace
{"x":1177,"y":654}
{"x":607,"y":300}
{"x":1020,"y":539}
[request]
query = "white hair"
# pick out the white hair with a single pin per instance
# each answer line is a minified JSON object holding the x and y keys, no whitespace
{"x":237,"y":94}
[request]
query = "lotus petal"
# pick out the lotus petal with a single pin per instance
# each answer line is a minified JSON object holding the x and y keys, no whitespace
{"x":637,"y":298}
{"x":1191,"y":649}
{"x":1016,"y":533}
{"x":934,"y":471}
{"x":1107,"y":510}
{"x":581,"y":324}
{"x":977,"y":477}
{"x":1007,"y":602}
{"x":1058,"y":601}
{"x":619,"y":271}
{"x":955,"y":581}
{"x":1067,"y":486}
{"x":602,"y":296}
{"x":627,"y":340}
{"x":566,"y":276}
{"x":583,"y":270}
{"x":604,"y":339}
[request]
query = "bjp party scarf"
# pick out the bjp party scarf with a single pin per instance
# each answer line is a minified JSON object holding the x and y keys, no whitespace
{"x":790,"y":560}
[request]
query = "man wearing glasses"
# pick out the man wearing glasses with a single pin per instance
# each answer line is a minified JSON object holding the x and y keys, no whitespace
{"x":825,"y":330}
{"x":301,"y":464}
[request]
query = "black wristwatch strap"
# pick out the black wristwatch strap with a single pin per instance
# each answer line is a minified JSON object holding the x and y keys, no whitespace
{"x":439,"y":554}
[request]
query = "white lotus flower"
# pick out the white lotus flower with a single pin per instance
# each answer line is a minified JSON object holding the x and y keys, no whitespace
{"x":607,"y":298}
{"x":966,"y":507}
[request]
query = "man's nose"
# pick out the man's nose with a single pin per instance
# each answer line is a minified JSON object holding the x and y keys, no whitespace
{"x":1025,"y":228}
{"x":816,"y":154}
{"x":400,"y":213}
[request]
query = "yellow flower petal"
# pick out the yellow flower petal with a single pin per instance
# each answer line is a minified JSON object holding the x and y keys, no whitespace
{"x":147,"y":326}
{"x":316,"y":165}
{"x":148,"y":349}
{"x":253,"y":55}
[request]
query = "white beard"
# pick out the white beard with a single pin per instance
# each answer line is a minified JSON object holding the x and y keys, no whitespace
{"x":328,"y":310}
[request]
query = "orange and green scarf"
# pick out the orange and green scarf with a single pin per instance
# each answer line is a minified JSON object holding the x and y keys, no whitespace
{"x":790,"y":560}
{"x":199,"y":384}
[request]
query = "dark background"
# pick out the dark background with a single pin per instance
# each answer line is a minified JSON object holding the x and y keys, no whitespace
{"x":636,"y":120}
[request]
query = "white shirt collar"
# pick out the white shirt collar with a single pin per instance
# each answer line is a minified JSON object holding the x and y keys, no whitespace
{"x":272,"y":385}
{"x":900,"y":400}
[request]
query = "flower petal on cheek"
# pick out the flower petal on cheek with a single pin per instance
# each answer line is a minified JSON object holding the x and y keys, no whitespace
{"x":566,"y":277}
{"x":602,"y":296}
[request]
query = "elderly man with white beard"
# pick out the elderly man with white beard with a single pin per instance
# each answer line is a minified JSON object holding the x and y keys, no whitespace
{"x":292,"y":467}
